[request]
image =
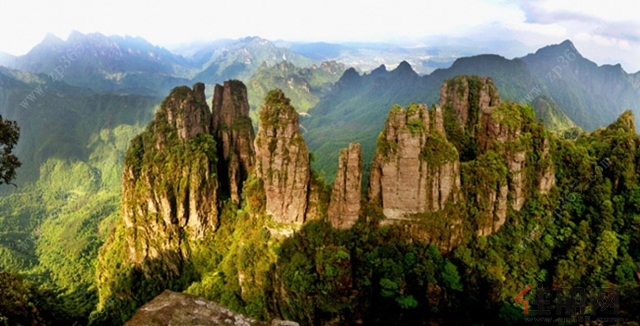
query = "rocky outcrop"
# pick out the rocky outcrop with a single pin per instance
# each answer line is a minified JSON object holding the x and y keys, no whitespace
{"x":344,"y":206}
{"x":282,"y":160}
{"x":187,"y":111}
{"x":169,"y":184}
{"x":547,"y":177}
{"x":467,"y":96}
{"x":173,"y":308}
{"x":234,"y":137}
{"x":500,"y":128}
{"x":414,"y":170}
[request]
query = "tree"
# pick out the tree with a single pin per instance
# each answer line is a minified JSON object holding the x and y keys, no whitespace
{"x":9,"y":134}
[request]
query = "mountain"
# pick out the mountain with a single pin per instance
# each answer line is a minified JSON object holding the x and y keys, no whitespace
{"x":586,"y":96}
{"x":7,"y":59}
{"x":108,"y":64}
{"x":467,"y":203}
{"x":304,"y":86}
{"x":354,"y":109}
{"x":368,"y":56}
{"x":200,"y":52}
{"x":590,"y":95}
{"x":425,"y":57}
{"x":342,"y":259}
{"x":241,"y":59}
{"x":71,"y":144}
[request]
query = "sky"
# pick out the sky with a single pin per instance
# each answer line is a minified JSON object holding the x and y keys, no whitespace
{"x":603,"y":31}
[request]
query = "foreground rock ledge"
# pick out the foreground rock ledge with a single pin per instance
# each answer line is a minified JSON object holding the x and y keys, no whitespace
{"x":174,"y":308}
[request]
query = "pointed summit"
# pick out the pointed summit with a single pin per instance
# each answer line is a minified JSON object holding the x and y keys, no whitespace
{"x":51,"y":39}
{"x":380,"y":70}
{"x":349,"y":76}
{"x":404,"y":69}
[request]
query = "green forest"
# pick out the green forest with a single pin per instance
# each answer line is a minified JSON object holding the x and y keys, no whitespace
{"x":66,"y":241}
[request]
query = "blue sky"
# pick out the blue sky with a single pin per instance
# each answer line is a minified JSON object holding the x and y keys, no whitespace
{"x":604,"y":31}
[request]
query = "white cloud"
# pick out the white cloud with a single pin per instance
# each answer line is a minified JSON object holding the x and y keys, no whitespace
{"x":535,"y":23}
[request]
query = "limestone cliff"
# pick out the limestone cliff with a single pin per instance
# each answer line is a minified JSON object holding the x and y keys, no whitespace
{"x":466,"y":96}
{"x":169,"y":184}
{"x":282,"y":160}
{"x":497,"y":134}
{"x":234,"y":137}
{"x":345,"y":198}
{"x":415,"y":169}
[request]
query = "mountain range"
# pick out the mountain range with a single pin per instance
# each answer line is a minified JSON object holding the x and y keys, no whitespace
{"x":80,"y":102}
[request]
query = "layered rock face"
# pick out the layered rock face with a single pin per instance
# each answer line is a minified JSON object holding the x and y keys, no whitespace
{"x":495,"y":127}
{"x":414,"y":170}
{"x":178,"y":171}
{"x":169,"y":179}
{"x":234,"y":136}
{"x":187,"y":111}
{"x":282,"y":160}
{"x":466,"y":96}
{"x":345,"y":198}
{"x":547,"y":178}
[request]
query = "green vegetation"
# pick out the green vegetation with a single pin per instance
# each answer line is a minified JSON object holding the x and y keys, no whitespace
{"x":73,"y":140}
{"x":304,"y":86}
{"x":72,"y":144}
{"x":9,"y":134}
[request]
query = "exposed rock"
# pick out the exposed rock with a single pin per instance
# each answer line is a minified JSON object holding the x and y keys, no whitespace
{"x":516,"y":161}
{"x":173,"y":308}
{"x":547,"y":178}
{"x":282,"y":160}
{"x":413,"y":171}
{"x":438,"y":121}
{"x":496,"y":129}
{"x":345,"y":198}
{"x":489,"y":125}
{"x":496,"y":211}
{"x":467,"y":96}
{"x":187,"y":111}
{"x":167,"y":182}
{"x":234,"y":136}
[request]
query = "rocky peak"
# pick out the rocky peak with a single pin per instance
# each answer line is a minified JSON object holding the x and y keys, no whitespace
{"x":344,"y":206}
{"x":169,"y":184}
{"x":413,"y":170}
{"x":282,"y":160}
{"x":468,"y":96}
{"x":187,"y":111}
{"x":382,"y":69}
{"x":234,"y":137}
{"x":405,"y":70}
{"x":348,"y":77}
{"x":627,"y":121}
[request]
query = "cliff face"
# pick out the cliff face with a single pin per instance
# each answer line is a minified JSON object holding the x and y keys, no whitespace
{"x":415,"y":169}
{"x":169,"y":179}
{"x":497,"y":135}
{"x":345,"y":198}
{"x":466,"y":97}
{"x":282,"y":160}
{"x":234,"y":136}
{"x":187,"y":111}
{"x":180,"y":169}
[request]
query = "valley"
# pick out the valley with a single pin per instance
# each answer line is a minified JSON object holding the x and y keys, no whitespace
{"x":282,"y":181}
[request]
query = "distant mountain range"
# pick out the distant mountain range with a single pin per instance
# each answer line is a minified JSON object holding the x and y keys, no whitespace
{"x":564,"y":88}
{"x":80,"y":101}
